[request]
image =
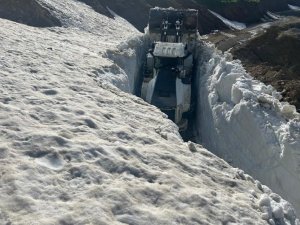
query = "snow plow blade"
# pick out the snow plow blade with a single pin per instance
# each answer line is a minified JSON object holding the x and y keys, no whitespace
{"x":188,"y":16}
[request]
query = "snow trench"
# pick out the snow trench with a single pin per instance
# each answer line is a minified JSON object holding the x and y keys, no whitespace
{"x":75,"y":151}
{"x":242,"y":121}
{"x":237,"y":118}
{"x":129,"y":57}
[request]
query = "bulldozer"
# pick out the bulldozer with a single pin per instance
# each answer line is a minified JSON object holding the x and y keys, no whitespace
{"x":169,"y":66}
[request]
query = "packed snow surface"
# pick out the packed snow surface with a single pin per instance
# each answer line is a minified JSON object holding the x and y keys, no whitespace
{"x":75,"y":149}
{"x":231,"y":24}
{"x":243,"y":121}
{"x":293,"y":7}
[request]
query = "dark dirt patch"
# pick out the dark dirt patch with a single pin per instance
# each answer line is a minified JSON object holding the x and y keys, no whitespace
{"x":272,"y":56}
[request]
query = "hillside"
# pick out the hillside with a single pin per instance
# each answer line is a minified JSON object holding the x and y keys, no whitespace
{"x":136,"y":11}
{"x":273,"y":58}
{"x":249,"y":12}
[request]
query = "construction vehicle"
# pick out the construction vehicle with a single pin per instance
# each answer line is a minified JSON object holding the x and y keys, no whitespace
{"x":169,"y":66}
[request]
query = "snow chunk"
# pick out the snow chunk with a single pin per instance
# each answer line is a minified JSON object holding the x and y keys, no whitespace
{"x":293,"y":7}
{"x":288,"y":111}
{"x":264,"y":201}
{"x":278,"y":212}
{"x":273,"y":15}
{"x":53,"y":161}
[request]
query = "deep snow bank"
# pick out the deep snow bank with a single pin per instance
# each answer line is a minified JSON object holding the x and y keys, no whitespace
{"x":242,"y":121}
{"x":130,"y":56}
{"x":76,"y":150}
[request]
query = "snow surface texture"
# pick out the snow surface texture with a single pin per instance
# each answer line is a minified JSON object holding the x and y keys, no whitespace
{"x":80,"y":18}
{"x":243,"y":121}
{"x":231,"y":24}
{"x":293,"y":7}
{"x":76,"y":150}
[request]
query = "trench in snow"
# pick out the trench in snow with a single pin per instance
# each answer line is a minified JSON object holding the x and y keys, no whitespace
{"x":238,"y":118}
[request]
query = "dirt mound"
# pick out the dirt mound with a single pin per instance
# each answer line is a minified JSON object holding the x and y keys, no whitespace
{"x":273,"y":57}
{"x":28,"y":12}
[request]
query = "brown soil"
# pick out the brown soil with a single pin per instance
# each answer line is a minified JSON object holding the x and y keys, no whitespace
{"x":272,"y":56}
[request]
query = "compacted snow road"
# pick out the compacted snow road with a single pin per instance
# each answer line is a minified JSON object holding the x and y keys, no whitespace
{"x":74,"y":149}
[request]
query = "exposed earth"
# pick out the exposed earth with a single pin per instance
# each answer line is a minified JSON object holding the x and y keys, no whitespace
{"x":269,"y":52}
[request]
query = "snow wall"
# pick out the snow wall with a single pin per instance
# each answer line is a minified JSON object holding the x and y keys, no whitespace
{"x":129,"y":57}
{"x":242,"y":121}
{"x":239,"y":119}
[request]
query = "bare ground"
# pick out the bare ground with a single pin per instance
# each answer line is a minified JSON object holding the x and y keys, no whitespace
{"x":269,"y":52}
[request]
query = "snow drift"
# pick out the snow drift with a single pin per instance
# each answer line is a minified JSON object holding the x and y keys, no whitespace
{"x":295,"y":8}
{"x":231,"y":24}
{"x":74,"y":149}
{"x":243,"y":121}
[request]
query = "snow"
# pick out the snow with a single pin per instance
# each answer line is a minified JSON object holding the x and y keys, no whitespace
{"x":273,"y":15}
{"x":231,"y":24}
{"x":293,"y":7}
{"x":76,"y":149}
{"x":81,"y":17}
{"x":243,"y":121}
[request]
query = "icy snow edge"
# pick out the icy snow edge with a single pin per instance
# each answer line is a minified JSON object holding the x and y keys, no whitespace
{"x":244,"y":122}
{"x":231,"y":24}
{"x":293,"y":7}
